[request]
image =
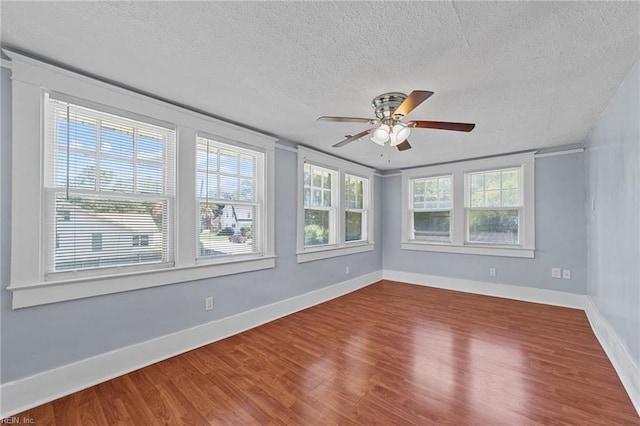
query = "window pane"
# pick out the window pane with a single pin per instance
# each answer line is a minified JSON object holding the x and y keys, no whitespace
{"x":82,"y":132}
{"x":228,"y":187}
{"x":477,"y":182}
{"x":492,"y":181}
{"x":149,"y":179}
{"x":307,"y":197}
{"x":116,"y":140}
{"x":82,"y":171}
{"x":353,"y":226}
{"x":510,"y":197}
{"x":246,"y":166}
{"x":316,"y":227}
{"x":116,"y":175}
{"x":93,"y":232}
{"x":307,"y":175}
{"x":492,"y":199}
{"x":149,"y":147}
{"x":510,"y":179}
{"x":317,"y":178}
{"x":432,"y":226}
{"x":317,"y":197}
{"x":326,"y":180}
{"x":326,"y":198}
{"x":493,"y":226}
{"x":226,"y":229}
{"x":228,"y":162}
{"x":247,"y":190}
{"x":207,"y":160}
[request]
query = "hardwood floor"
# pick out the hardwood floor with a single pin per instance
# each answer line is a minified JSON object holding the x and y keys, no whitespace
{"x":390,"y":353}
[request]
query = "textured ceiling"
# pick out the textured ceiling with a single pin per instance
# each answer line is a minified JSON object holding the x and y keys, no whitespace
{"x":529,"y":74}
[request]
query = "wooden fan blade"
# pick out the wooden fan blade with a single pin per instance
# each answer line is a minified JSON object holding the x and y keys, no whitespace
{"x":353,"y":138}
{"x":403,"y":146}
{"x":442,"y":125}
{"x":348,"y":119}
{"x":414,"y":99}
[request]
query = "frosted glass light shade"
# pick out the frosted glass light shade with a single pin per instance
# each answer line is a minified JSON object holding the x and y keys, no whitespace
{"x":381,"y":134}
{"x":399,"y":134}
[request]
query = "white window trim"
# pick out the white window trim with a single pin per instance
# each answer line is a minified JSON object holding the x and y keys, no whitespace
{"x":340,"y":247}
{"x":30,"y":80}
{"x":525,"y":249}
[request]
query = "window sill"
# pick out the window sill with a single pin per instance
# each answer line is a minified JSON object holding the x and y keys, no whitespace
{"x":484,"y":250}
{"x":310,"y":255}
{"x":70,"y":289}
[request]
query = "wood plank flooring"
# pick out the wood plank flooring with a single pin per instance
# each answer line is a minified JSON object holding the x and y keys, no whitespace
{"x":390,"y":353}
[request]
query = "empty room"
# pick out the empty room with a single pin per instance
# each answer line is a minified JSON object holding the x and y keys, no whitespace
{"x":319,"y":213}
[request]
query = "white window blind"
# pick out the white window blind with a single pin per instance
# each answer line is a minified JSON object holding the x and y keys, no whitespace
{"x":431,"y":208}
{"x":110,"y":187}
{"x":230,"y":183}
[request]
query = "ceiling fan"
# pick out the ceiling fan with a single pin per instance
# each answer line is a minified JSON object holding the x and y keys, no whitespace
{"x":390,"y":108}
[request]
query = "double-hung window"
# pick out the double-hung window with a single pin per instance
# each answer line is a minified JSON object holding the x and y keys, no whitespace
{"x":432,"y":205}
{"x":494,"y":206}
{"x":356,"y":208}
{"x":334,"y":215}
{"x":319,"y":205}
{"x":230,"y":197}
{"x":109,"y":181}
{"x":115,"y":191}
{"x":476,"y":207}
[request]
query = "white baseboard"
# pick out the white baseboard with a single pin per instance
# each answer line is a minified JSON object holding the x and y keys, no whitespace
{"x":526,"y":294}
{"x":38,"y":389}
{"x":627,"y":370}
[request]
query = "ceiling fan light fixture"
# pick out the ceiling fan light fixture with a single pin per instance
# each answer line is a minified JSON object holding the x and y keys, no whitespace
{"x":399,"y":134}
{"x":381,"y":134}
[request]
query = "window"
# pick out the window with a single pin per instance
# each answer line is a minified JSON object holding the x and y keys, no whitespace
{"x":96,"y":244}
{"x":229,"y":189}
{"x":355,"y":208}
{"x":95,"y":205}
{"x":334,"y":217}
{"x":108,"y":179}
{"x":432,"y":203}
{"x":319,"y":206}
{"x":140,"y":241}
{"x":494,"y":206}
{"x":476,"y":207}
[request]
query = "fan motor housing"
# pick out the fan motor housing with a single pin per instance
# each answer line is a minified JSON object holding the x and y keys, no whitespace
{"x":385,"y":104}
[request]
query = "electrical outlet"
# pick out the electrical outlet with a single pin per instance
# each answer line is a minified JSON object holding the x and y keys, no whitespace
{"x":492,"y":272}
{"x":208,"y":303}
{"x":566,"y":274}
{"x":346,"y":270}
{"x":556,"y":272}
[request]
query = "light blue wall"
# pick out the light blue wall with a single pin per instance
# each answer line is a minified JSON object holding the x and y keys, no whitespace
{"x":43,"y":337}
{"x":613,"y":181}
{"x":560,"y":235}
